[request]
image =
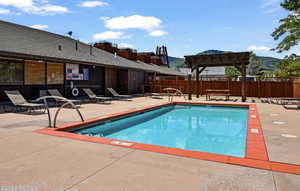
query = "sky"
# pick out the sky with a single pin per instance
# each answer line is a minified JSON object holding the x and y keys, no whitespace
{"x":185,"y":27}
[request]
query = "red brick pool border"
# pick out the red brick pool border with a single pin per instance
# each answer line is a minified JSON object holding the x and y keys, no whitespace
{"x":256,"y":152}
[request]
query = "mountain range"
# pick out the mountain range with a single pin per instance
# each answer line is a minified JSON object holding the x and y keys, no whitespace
{"x":266,"y":63}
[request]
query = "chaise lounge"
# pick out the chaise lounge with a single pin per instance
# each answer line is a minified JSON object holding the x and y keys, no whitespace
{"x":95,"y":97}
{"x":295,"y":102}
{"x":55,"y":92}
{"x":116,"y":95}
{"x":19,"y":101}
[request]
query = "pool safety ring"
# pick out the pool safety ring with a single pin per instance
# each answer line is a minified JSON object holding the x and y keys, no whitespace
{"x":75,"y":92}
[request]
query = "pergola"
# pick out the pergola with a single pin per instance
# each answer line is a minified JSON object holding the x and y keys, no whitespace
{"x":240,"y":60}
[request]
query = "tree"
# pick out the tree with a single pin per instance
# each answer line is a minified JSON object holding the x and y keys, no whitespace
{"x":254,"y":65}
{"x":290,"y":26}
{"x":252,"y":68}
{"x":267,"y":74}
{"x":232,"y":72}
{"x":289,"y":67}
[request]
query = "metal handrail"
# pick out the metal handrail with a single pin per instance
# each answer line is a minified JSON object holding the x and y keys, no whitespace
{"x":68,"y":102}
{"x":177,"y":91}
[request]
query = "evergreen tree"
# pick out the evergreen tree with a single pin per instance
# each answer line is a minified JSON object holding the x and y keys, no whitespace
{"x":290,"y":26}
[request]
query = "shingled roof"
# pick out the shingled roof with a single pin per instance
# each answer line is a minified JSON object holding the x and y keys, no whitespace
{"x":26,"y":42}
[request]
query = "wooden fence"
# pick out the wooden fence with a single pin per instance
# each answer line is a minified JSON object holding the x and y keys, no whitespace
{"x":296,"y":88}
{"x":284,"y":88}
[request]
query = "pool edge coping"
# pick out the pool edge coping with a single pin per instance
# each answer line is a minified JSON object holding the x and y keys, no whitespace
{"x":256,"y":152}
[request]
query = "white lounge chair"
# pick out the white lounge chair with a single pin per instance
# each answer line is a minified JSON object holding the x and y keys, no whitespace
{"x":95,"y":97}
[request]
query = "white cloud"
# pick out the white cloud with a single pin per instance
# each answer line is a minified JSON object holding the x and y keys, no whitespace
{"x":47,"y":9}
{"x":110,"y":35}
{"x":158,"y":33}
{"x":259,"y":48}
{"x":93,"y":4}
{"x":271,"y":6}
{"x":4,"y":11}
{"x":40,"y":27}
{"x":17,"y":3}
{"x":125,"y":45}
{"x":267,"y":3}
{"x":133,"y":22}
{"x":35,"y":7}
{"x":104,"y":18}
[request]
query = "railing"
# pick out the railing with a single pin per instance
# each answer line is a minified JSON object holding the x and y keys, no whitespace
{"x":174,"y":92}
{"x":57,"y":98}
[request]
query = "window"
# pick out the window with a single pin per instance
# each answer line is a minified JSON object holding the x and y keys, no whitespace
{"x":55,"y":73}
{"x":34,"y":73}
{"x":11,"y":73}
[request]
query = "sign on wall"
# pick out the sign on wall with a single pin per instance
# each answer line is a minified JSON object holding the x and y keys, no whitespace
{"x":72,"y":72}
{"x":86,"y":74}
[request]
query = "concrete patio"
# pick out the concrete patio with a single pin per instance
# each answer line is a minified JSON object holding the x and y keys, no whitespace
{"x":43,"y":162}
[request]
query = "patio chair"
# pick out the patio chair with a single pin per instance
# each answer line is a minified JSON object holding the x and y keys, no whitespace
{"x":152,"y":94}
{"x":295,"y":102}
{"x":42,"y":93}
{"x":93,"y":96}
{"x":55,"y":92}
{"x":264,"y":100}
{"x":19,"y":101}
{"x":282,"y":100}
{"x":156,"y":95}
{"x":116,"y":95}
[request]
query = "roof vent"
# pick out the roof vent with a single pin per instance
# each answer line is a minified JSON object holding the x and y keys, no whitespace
{"x":59,"y":47}
{"x":76,"y":45}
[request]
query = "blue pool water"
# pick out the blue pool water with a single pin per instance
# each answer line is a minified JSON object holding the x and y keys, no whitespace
{"x":213,"y":129}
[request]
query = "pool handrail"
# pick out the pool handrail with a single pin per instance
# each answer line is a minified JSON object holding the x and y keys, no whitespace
{"x":58,"y":98}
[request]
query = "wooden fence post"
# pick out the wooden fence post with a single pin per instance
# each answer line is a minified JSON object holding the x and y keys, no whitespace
{"x":258,"y":88}
{"x":228,"y":83}
{"x":243,"y":92}
{"x":201,"y":86}
{"x":197,"y":82}
{"x":296,"y":88}
{"x":176,"y":82}
{"x":190,"y":86}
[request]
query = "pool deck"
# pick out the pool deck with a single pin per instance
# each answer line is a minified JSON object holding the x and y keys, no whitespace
{"x":44,"y":162}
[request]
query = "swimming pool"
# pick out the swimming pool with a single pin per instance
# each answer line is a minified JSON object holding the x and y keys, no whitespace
{"x":212,"y":129}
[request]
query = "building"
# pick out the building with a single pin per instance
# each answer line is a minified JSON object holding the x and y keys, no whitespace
{"x":208,"y":74}
{"x":33,"y":60}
